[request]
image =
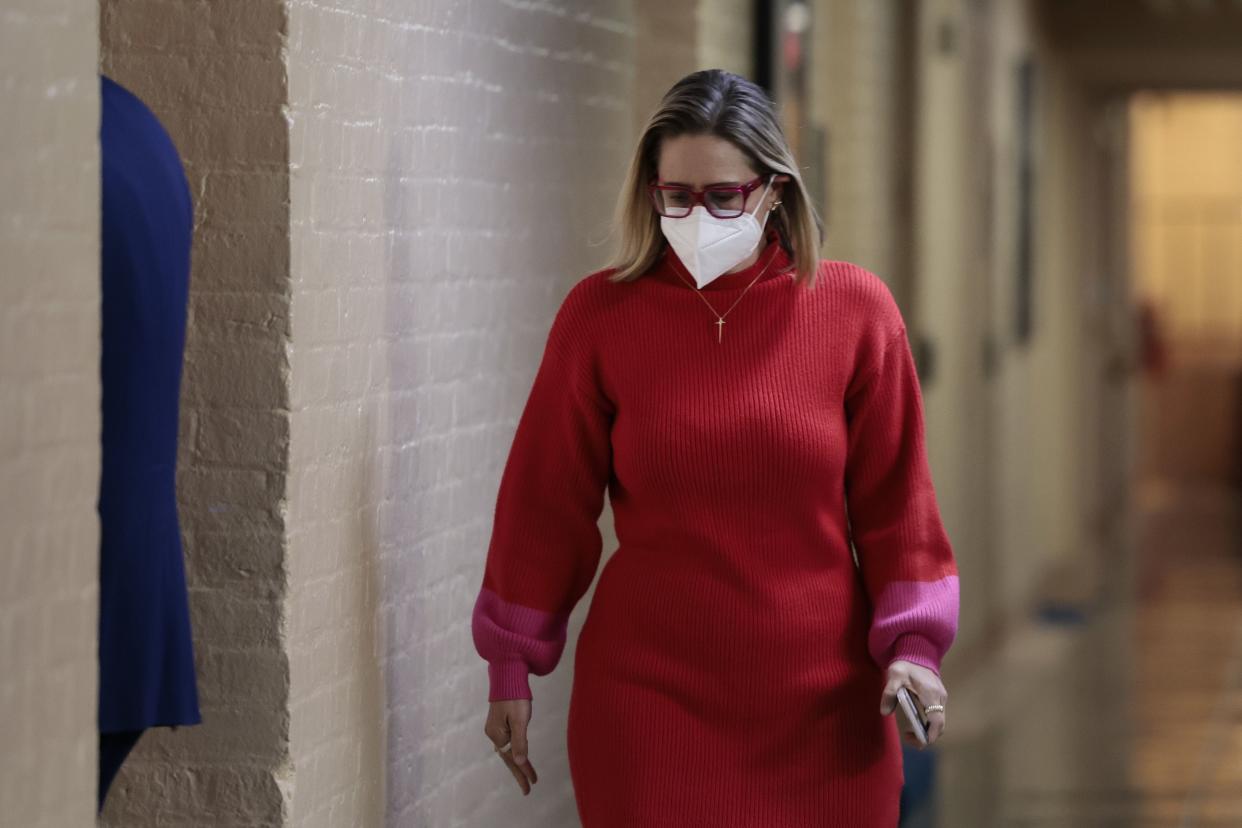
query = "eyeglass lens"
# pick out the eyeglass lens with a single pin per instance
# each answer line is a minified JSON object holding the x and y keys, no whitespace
{"x":677,"y":202}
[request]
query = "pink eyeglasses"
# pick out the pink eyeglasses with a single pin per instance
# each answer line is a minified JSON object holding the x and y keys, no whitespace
{"x":721,"y":201}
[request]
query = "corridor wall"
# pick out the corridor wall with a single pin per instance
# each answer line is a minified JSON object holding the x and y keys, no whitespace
{"x":449,"y":175}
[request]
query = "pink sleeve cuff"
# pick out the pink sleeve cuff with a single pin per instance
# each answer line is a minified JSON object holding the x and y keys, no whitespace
{"x":508,"y":680}
{"x":915,"y":621}
{"x":916,"y":649}
{"x":515,"y":640}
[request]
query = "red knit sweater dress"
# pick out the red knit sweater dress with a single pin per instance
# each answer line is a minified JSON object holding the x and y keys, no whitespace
{"x":730,"y":667}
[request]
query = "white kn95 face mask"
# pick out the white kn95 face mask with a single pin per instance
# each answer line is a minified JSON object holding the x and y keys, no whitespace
{"x":707,"y":245}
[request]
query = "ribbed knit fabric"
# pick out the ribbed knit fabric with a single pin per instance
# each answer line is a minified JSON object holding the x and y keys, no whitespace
{"x":731,"y":664}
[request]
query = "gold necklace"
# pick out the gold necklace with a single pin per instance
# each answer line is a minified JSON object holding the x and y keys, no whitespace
{"x":720,"y":317}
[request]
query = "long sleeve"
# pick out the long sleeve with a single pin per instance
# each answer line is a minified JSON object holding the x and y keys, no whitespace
{"x":545,"y":544}
{"x":903,"y":551}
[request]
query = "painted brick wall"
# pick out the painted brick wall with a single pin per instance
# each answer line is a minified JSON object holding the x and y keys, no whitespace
{"x":49,"y":412}
{"x":853,"y":91}
{"x":724,"y":31}
{"x":452,"y":166}
{"x":214,"y":74}
{"x":674,"y":39}
{"x":667,"y":47}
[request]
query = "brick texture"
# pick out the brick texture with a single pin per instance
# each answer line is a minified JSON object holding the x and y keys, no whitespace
{"x":853,"y":93}
{"x":724,"y":33}
{"x":49,"y":412}
{"x":451,"y":166}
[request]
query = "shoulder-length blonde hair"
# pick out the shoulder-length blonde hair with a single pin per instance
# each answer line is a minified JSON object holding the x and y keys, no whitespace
{"x":721,"y":103}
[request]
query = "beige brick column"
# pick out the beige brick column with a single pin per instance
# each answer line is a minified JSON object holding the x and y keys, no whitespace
{"x":49,"y":412}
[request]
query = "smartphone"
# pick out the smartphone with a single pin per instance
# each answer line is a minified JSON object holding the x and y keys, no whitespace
{"x":912,"y":720}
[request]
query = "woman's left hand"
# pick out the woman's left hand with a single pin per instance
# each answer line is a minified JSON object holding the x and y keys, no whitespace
{"x":925,"y":684}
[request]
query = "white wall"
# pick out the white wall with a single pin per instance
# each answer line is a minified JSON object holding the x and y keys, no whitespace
{"x":450,"y":167}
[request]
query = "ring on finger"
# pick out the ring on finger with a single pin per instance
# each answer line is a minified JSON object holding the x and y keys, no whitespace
{"x":505,"y":749}
{"x":933,"y":708}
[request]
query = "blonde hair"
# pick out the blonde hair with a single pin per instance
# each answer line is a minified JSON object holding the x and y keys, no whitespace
{"x":721,"y":103}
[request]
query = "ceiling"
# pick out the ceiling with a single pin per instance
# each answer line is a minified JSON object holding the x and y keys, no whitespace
{"x":1146,"y":43}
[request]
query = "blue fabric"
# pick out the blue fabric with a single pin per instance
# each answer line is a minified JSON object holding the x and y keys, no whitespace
{"x":919,"y":768}
{"x":146,"y":658}
{"x":113,"y":748}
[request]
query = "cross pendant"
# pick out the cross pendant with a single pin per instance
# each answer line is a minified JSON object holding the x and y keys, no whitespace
{"x":719,"y":328}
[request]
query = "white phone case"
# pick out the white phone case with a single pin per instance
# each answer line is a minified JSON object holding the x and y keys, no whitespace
{"x":911,"y":721}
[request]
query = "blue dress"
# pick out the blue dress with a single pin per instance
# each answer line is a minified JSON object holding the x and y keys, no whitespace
{"x":146,"y":657}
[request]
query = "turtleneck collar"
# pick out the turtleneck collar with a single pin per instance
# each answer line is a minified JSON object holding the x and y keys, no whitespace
{"x":772,"y":260}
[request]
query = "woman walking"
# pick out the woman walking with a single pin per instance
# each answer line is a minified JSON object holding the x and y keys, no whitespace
{"x":753,"y":412}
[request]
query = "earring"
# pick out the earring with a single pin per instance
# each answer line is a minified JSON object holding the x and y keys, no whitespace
{"x":773,"y":207}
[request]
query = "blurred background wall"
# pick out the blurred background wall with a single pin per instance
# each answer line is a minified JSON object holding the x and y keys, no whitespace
{"x":1187,"y":179}
{"x":49,"y":412}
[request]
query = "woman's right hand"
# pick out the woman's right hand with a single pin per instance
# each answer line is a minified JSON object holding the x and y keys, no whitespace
{"x":506,"y":725}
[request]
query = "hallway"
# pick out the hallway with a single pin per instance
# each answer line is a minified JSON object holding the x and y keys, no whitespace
{"x":1129,"y":713}
{"x":392,"y":200}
